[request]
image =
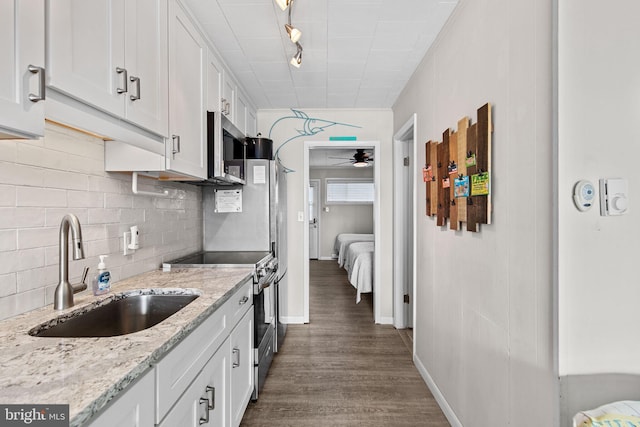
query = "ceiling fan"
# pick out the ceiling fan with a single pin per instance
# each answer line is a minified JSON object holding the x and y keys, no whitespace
{"x":360,"y":159}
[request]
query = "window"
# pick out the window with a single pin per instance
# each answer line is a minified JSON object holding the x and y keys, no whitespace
{"x":349,"y":191}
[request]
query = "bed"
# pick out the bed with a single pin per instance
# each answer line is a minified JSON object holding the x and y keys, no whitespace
{"x":343,"y":241}
{"x":622,"y":413}
{"x":357,"y":260}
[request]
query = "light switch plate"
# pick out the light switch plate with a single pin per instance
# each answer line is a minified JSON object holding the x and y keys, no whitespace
{"x":614,"y":196}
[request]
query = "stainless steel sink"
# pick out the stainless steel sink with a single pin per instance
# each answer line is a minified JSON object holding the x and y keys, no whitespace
{"x":123,"y":316}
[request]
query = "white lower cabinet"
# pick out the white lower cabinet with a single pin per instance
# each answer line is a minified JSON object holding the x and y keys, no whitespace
{"x":135,"y":408}
{"x":205,"y":402}
{"x":241,"y":343}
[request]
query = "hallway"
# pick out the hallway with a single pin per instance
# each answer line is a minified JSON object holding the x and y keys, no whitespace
{"x":342,"y":369}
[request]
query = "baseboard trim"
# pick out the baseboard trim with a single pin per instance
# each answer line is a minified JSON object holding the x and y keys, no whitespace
{"x":326,"y":258}
{"x":292,"y":320}
{"x":446,"y":409}
{"x":385,"y":321}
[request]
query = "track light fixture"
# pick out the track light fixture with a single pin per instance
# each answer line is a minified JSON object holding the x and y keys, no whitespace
{"x":293,"y":32}
{"x":283,"y":4}
{"x":296,"y":61}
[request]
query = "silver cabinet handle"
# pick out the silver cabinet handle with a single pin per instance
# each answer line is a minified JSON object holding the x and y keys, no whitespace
{"x":228,"y":108}
{"x":223,"y":105}
{"x":125,"y":80}
{"x":212,"y":397}
{"x":236,"y":355}
{"x":244,"y":300}
{"x":41,"y":83}
{"x":205,"y":419}
{"x":136,"y":81}
{"x":176,"y":145}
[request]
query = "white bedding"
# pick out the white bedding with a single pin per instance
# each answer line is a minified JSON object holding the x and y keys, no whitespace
{"x":344,"y":240}
{"x":359,"y":265}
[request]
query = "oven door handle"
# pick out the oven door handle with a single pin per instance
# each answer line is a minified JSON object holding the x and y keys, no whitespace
{"x":267,"y":282}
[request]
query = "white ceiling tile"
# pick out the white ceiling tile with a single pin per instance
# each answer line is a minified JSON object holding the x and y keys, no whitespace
{"x":356,"y":53}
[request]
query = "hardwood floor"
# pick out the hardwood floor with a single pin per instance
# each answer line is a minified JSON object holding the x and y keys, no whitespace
{"x":341,"y":369}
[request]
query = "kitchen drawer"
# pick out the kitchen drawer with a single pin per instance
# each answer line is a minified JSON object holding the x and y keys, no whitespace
{"x":240,"y":303}
{"x":181,"y":365}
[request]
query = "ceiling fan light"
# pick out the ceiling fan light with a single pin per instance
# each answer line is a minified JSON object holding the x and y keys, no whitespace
{"x":283,"y":4}
{"x":361,"y":164}
{"x":293,"y":32}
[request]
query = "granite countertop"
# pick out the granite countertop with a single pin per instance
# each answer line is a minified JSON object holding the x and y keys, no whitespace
{"x":86,"y":373}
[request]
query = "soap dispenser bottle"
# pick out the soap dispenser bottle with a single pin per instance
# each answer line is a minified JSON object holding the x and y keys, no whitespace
{"x":102,"y":281}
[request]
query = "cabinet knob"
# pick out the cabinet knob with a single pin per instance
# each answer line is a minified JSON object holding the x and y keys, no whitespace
{"x":243,"y":300}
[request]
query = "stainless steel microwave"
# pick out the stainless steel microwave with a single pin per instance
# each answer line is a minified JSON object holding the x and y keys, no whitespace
{"x":226,"y":150}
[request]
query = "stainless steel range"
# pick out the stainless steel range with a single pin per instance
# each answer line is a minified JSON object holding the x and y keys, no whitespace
{"x":245,"y":226}
{"x":265,"y":273}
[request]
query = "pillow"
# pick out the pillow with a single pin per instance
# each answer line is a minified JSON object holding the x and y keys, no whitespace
{"x":617,"y":414}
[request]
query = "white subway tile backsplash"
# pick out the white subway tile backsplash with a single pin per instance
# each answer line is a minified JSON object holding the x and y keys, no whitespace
{"x":37,"y":237}
{"x":8,"y":151}
{"x":65,"y":180}
{"x":85,"y":199}
{"x":8,"y":284}
{"x":16,"y":174}
{"x":8,"y":240}
{"x":19,"y":303}
{"x":42,"y":180}
{"x":31,"y":258}
{"x":37,"y":278}
{"x":7,"y":195}
{"x":33,"y":196}
{"x":9,"y":262}
{"x":12,"y":218}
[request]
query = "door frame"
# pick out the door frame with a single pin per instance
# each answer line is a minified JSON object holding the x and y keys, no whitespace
{"x":319,"y":198}
{"x":377,"y":226}
{"x":407,"y":132}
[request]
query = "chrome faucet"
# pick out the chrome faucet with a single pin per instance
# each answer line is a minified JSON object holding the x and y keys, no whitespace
{"x":63,"y":296}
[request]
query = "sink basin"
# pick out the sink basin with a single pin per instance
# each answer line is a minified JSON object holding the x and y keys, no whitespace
{"x":123,"y":316}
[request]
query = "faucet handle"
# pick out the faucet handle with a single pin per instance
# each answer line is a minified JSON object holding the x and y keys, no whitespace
{"x":84,"y":276}
{"x":83,"y":283}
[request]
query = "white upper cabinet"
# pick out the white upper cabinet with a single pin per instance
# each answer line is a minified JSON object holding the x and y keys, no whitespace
{"x":228,"y":101}
{"x":112,"y":55}
{"x":22,"y":77}
{"x":252,"y":122}
{"x":241,"y":113}
{"x":186,"y":151}
{"x":214,"y":83}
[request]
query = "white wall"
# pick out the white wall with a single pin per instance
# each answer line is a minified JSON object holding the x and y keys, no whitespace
{"x":341,"y":218}
{"x":484,"y":330}
{"x":599,"y":137}
{"x":375,"y":125}
{"x":42,"y":180}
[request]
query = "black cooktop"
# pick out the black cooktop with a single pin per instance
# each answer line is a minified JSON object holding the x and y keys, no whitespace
{"x":221,"y":259}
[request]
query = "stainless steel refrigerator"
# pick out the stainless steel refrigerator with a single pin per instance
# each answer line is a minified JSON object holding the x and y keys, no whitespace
{"x":252,"y":217}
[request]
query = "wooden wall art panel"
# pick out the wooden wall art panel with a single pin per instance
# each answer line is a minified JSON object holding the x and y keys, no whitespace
{"x":443,"y":179}
{"x":453,"y":174}
{"x":457,"y":174}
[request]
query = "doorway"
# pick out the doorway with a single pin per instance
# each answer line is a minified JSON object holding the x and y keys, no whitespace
{"x":314,"y":218}
{"x":404,"y":241}
{"x":373,"y":146}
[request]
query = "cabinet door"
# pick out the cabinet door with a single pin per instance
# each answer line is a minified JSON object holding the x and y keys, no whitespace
{"x":133,"y":408}
{"x":241,"y":113}
{"x":85,"y":51}
{"x":21,"y":45}
{"x":186,"y":148}
{"x":241,"y":340}
{"x":147,"y":66}
{"x":205,"y":401}
{"x":252,"y":122}
{"x":214,"y":83}
{"x":228,"y":97}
